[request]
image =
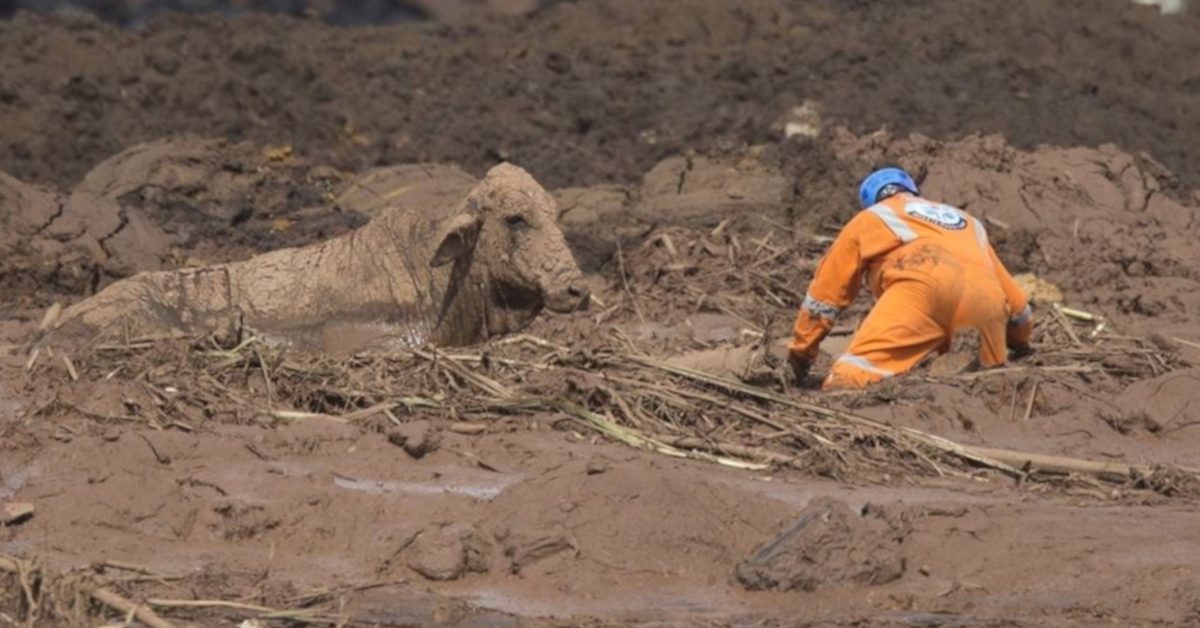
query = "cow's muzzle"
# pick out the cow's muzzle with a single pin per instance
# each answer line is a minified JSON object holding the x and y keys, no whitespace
{"x":573,"y":298}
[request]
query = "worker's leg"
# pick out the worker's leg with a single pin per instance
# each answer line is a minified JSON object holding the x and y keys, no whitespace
{"x":982,"y":307}
{"x":910,"y":321}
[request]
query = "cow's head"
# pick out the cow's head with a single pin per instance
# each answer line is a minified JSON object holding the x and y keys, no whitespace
{"x":506,"y":229}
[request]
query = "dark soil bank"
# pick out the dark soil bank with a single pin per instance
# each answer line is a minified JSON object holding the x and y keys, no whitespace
{"x":601,"y":89}
{"x":135,"y":13}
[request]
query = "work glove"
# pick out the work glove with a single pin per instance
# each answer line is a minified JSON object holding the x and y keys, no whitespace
{"x":800,"y":367}
{"x":1017,"y":352}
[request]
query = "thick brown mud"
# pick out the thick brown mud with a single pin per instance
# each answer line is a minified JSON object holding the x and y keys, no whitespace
{"x":584,"y":473}
{"x":598,"y":90}
{"x":227,"y":474}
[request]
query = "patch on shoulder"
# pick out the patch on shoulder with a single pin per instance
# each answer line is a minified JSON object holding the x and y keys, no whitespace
{"x":943,"y":216}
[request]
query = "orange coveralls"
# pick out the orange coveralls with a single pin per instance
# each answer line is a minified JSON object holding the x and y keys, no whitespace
{"x":932,"y":271}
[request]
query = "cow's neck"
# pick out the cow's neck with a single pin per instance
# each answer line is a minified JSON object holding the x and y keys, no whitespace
{"x":475,"y":308}
{"x":509,"y":310}
{"x":460,"y":307}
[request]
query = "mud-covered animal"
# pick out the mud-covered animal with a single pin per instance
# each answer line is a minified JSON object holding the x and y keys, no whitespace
{"x":453,"y":274}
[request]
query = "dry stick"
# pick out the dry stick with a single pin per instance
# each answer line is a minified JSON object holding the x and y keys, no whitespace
{"x":1066,"y":326}
{"x":635,"y":419}
{"x":266,"y":376}
{"x":1032,"y":398}
{"x":930,"y":440}
{"x":1116,"y":471}
{"x":1001,"y":459}
{"x":104,"y":596}
{"x":1153,"y":365}
{"x":1187,"y":343}
{"x":113,"y":564}
{"x":33,"y":357}
{"x":669,"y":244}
{"x":478,"y":359}
{"x":119,"y":603}
{"x":308,"y":599}
{"x":125,"y":348}
{"x":295,"y":415}
{"x":486,"y":384}
{"x":533,"y":340}
{"x":1097,"y":351}
{"x":698,"y":396}
{"x":367,"y":412}
{"x":770,"y":258}
{"x":732,"y":449}
{"x":70,"y":368}
{"x":149,"y":578}
{"x":791,"y":429}
{"x":996,"y":222}
{"x":637,"y":439}
{"x":238,"y":606}
{"x":625,"y":283}
{"x":21,"y":568}
{"x":53,"y":313}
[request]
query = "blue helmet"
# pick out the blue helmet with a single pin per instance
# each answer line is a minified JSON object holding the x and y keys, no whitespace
{"x":868,"y":192}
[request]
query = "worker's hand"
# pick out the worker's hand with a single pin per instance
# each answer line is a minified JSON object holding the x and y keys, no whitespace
{"x":1017,"y":352}
{"x":800,"y":367}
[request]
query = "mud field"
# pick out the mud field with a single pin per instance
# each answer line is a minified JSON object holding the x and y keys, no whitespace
{"x":599,"y":90}
{"x":644,"y":461}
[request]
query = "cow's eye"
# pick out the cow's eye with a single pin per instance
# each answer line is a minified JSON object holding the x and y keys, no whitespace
{"x":516,"y":220}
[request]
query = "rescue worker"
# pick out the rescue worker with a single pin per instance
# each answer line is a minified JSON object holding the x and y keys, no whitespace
{"x":932,"y":272}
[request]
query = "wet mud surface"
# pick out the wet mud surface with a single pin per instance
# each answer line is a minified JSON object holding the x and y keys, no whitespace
{"x":547,"y":534}
{"x":497,"y":485}
{"x":226,"y":484}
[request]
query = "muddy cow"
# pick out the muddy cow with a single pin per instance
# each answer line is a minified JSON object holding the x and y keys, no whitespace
{"x":455,"y":274}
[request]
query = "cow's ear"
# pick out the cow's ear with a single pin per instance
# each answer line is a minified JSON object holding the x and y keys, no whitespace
{"x":457,"y":238}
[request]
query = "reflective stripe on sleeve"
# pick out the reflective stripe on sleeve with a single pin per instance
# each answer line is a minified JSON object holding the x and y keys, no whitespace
{"x":820,"y":308}
{"x":982,"y":237}
{"x":864,"y":364}
{"x":895,"y":223}
{"x":1025,"y":316}
{"x":981,"y":234}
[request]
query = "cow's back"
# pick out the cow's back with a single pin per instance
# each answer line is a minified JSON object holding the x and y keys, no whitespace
{"x":374,"y":280}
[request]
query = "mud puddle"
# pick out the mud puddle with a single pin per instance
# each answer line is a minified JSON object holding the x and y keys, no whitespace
{"x":440,"y":480}
{"x":800,"y":493}
{"x":658,"y":603}
{"x":477,"y":490}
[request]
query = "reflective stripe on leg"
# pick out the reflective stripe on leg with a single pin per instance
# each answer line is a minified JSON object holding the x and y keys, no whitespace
{"x":864,"y":364}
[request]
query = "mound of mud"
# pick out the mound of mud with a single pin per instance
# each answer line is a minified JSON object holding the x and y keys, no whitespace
{"x":598,"y":90}
{"x":828,"y":545}
{"x":1117,"y":232}
{"x":735,"y":233}
{"x":162,"y":205}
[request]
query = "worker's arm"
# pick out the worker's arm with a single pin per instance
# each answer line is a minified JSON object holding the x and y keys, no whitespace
{"x":1020,"y":322}
{"x":836,"y":282}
